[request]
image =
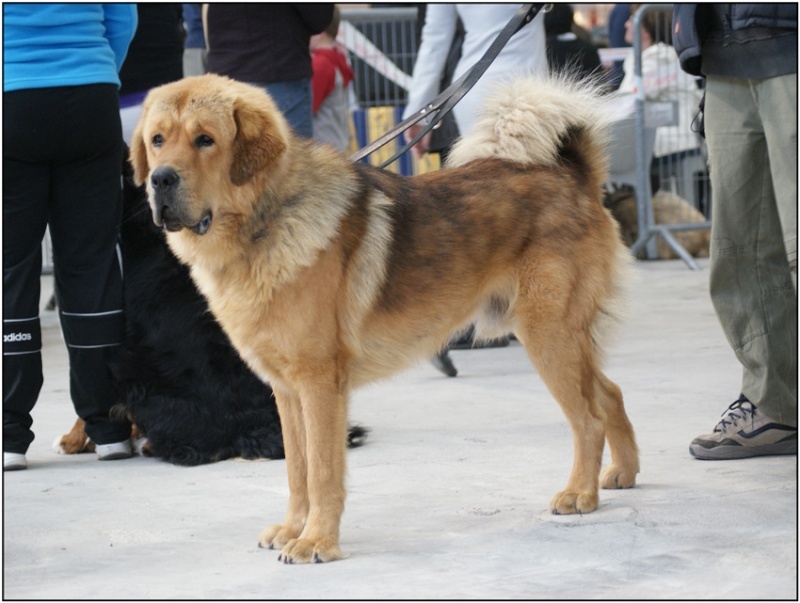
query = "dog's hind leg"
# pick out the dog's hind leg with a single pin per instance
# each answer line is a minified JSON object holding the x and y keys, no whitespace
{"x":621,"y":473}
{"x":294,"y":444}
{"x":568,"y":373}
{"x":555,"y":313}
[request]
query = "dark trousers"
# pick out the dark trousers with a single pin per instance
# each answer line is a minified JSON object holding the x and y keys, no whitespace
{"x":62,"y":155}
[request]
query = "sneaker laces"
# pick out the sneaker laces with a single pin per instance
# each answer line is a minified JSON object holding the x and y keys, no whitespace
{"x":738,"y":410}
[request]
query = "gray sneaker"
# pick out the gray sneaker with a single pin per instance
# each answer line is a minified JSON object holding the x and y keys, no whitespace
{"x":743,"y":432}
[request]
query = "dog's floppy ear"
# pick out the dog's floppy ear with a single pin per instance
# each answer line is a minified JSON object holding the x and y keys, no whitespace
{"x":259,"y":140}
{"x":138,"y":152}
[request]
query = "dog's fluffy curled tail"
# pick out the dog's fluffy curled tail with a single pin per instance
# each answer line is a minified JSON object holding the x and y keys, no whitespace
{"x":540,"y":121}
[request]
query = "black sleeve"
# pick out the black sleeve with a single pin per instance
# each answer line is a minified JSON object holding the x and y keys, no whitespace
{"x":316,"y":17}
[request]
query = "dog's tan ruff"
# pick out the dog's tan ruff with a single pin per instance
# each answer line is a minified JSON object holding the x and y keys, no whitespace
{"x":327,"y":275}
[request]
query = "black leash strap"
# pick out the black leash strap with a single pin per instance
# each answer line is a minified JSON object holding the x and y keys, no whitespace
{"x":444,"y":103}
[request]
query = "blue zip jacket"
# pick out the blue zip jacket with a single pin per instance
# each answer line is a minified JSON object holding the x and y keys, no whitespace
{"x":49,"y":45}
{"x":746,"y":45}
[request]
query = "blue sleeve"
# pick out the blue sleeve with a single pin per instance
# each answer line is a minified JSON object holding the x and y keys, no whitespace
{"x":120,"y":21}
{"x":686,"y":39}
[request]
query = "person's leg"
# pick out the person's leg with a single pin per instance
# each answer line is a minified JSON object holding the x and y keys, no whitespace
{"x":25,"y":192}
{"x":85,"y":215}
{"x":23,"y":229}
{"x":777,"y":102}
{"x":749,"y":278}
{"x":294,"y":100}
{"x":750,"y":284}
{"x":22,"y":344}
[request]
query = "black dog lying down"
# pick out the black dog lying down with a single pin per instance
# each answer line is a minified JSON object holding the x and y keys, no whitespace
{"x":180,"y":381}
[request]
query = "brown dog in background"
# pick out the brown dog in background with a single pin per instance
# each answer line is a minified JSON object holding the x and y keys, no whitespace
{"x":327,"y":275}
{"x":668,"y":208}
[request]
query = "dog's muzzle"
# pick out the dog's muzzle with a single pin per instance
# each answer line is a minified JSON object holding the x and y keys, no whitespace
{"x":168,"y":212}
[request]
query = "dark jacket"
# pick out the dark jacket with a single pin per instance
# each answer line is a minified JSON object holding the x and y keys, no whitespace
{"x":736,"y":40}
{"x":155,"y":56}
{"x":264,"y":43}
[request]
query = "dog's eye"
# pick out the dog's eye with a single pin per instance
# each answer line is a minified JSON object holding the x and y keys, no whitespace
{"x":204,"y":140}
{"x":158,"y":140}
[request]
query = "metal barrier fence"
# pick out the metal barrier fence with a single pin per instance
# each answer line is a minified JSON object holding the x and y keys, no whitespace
{"x":668,"y":172}
{"x":382,"y":45}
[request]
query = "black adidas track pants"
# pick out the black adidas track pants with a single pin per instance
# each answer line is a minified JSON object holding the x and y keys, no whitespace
{"x":62,"y":154}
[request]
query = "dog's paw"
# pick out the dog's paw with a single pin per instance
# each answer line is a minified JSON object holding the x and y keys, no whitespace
{"x":66,"y":444}
{"x":615,"y":477}
{"x":302,"y":550}
{"x":569,"y":503}
{"x":276,"y":537}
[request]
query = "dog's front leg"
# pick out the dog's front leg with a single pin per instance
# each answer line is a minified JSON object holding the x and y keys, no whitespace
{"x":324,"y":405}
{"x":294,"y":444}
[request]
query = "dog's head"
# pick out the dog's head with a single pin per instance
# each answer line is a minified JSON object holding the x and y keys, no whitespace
{"x":203,"y":146}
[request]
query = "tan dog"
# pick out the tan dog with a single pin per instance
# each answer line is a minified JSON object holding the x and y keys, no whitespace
{"x":668,"y":208}
{"x":327,"y":275}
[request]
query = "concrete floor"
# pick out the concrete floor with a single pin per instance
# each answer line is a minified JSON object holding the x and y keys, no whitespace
{"x":448,"y":499}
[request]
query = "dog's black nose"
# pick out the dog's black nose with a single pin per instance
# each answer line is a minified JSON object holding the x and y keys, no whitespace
{"x":163,"y":178}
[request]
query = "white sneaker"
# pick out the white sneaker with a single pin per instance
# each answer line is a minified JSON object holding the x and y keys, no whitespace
{"x":112,"y":452}
{"x":13,"y":461}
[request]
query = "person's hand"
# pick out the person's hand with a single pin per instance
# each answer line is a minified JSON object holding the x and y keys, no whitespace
{"x":423,"y":144}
